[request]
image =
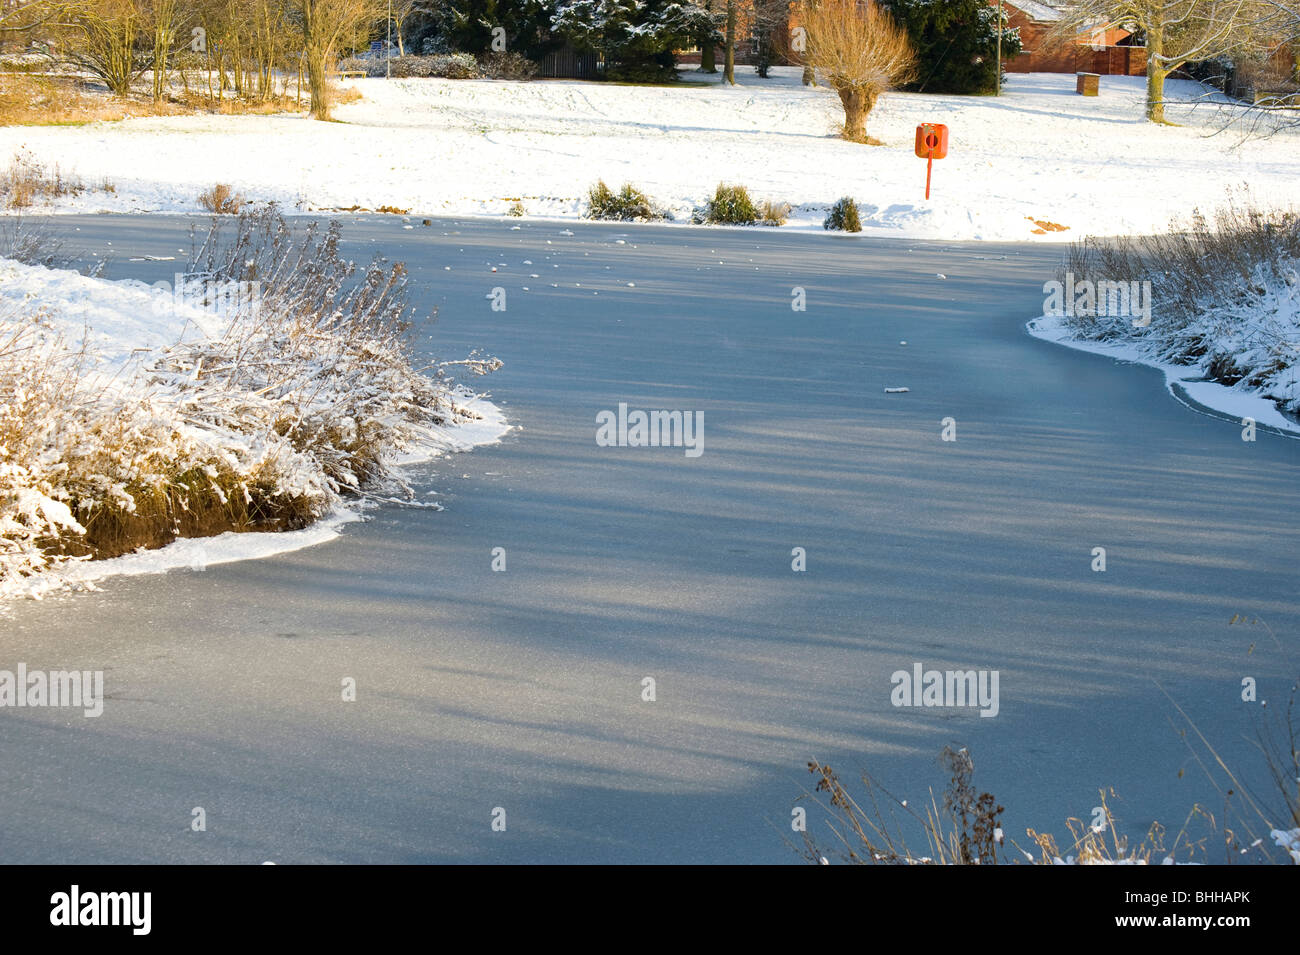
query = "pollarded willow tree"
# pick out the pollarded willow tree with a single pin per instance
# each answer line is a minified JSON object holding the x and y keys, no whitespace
{"x":1177,"y":32}
{"x":859,"y":51}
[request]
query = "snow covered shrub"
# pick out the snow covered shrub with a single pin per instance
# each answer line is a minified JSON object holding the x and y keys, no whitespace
{"x":451,"y":66}
{"x":325,"y":352}
{"x":38,"y":382}
{"x":843,"y":216}
{"x":1223,"y":295}
{"x":256,"y":418}
{"x":31,"y":245}
{"x":628,"y":204}
{"x":731,"y":205}
{"x":506,"y":66}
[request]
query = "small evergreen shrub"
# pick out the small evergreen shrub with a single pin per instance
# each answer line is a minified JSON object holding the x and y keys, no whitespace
{"x":628,"y":204}
{"x":731,"y":205}
{"x":844,"y":216}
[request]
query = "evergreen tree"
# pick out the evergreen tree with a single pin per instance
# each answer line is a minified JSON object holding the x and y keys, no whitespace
{"x":637,"y":37}
{"x":466,"y":26}
{"x":956,"y":43}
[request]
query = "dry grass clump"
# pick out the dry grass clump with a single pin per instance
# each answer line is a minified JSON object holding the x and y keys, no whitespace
{"x":964,"y":830}
{"x":342,"y":95}
{"x":221,"y":199}
{"x":25,"y":181}
{"x":35,"y":100}
{"x":774,"y":212}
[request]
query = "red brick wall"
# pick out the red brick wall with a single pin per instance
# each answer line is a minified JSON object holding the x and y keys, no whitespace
{"x":1040,"y":56}
{"x":1108,"y":61}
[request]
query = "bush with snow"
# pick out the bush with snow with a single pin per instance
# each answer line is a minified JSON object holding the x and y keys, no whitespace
{"x":259,"y":420}
{"x":451,"y":66}
{"x":1224,"y":297}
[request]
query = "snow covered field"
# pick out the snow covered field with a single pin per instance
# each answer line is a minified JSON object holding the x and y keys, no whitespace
{"x":467,"y":147}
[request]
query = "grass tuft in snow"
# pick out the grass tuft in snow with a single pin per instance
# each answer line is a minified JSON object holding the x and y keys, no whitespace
{"x":26,"y":181}
{"x":221,"y":199}
{"x":629,"y":204}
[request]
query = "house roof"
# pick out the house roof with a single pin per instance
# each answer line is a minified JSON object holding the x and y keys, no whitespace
{"x":1042,"y":12}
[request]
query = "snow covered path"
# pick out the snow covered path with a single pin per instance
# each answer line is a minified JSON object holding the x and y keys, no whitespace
{"x":1039,"y":158}
{"x":522,"y":689}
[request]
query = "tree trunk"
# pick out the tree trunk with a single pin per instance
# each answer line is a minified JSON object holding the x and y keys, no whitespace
{"x":318,"y":52}
{"x":708,"y":54}
{"x":854,"y":100}
{"x":729,"y":68}
{"x":318,"y":86}
{"x":809,"y":76}
{"x":1156,"y":73}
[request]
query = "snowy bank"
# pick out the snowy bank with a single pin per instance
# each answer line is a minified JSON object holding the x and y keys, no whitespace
{"x":135,"y":420}
{"x":1038,"y":163}
{"x":1213,"y":302}
{"x":1186,"y":383}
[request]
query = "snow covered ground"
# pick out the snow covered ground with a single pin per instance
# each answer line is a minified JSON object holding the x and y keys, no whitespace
{"x":120,"y":328}
{"x":1039,"y":154}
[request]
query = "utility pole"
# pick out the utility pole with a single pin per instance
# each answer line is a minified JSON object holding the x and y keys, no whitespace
{"x":999,"y":87}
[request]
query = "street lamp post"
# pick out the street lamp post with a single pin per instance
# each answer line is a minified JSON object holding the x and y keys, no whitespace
{"x":388,"y":53}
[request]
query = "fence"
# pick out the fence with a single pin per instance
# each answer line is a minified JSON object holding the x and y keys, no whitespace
{"x":569,"y":63}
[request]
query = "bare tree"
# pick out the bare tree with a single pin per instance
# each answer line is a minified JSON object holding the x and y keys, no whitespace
{"x":164,"y":21}
{"x":1177,"y":32}
{"x":327,"y":25}
{"x":401,"y":12}
{"x":859,"y":51}
{"x":111,"y":32}
{"x":25,"y":16}
{"x":770,"y":17}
